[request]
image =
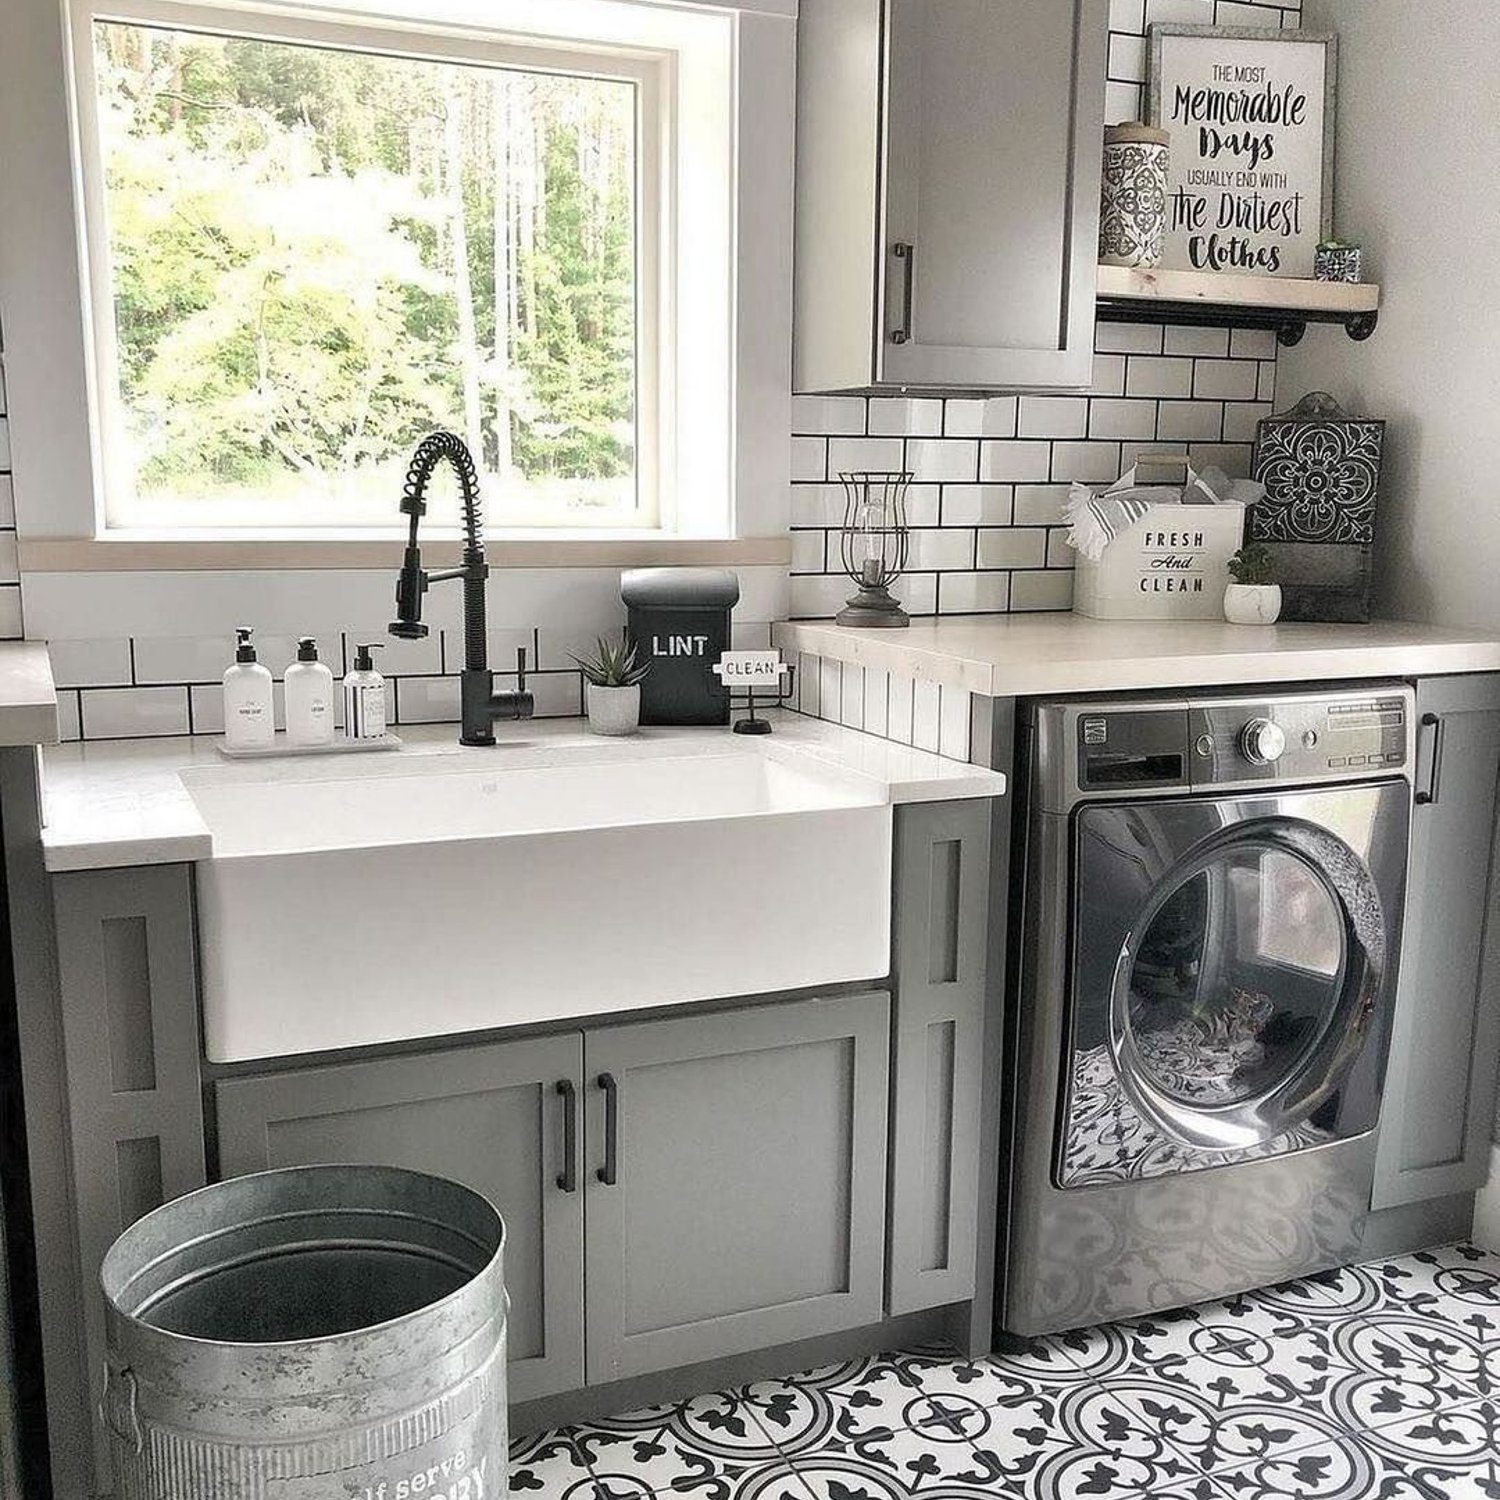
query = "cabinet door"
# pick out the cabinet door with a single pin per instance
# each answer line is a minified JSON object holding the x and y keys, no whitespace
{"x":736,"y":1181}
{"x":942,"y":910}
{"x":993,"y":149}
{"x":129,"y":990}
{"x":1436,"y":1118}
{"x":492,"y":1118}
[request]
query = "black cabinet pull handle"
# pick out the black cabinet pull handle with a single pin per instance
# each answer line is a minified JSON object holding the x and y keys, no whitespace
{"x":1429,"y":794}
{"x":567,"y":1179}
{"x":907,"y":255}
{"x":609,"y":1173}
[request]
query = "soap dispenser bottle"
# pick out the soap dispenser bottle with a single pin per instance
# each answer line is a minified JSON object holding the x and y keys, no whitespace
{"x":309,"y":697}
{"x":364,"y":697}
{"x":249,"y":720}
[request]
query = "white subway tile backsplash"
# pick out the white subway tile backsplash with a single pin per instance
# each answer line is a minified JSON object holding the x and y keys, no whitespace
{"x":1225,"y":379}
{"x":943,"y":460}
{"x":1127,"y":338}
{"x":977,"y":504}
{"x":132,"y":713}
{"x":7,"y":501}
{"x":847,"y":454}
{"x":1014,"y":462}
{"x":1122,"y":417}
{"x":1109,"y":375}
{"x":68,"y":726}
{"x":1012,"y":547}
{"x":10,"y":571}
{"x":817,"y":504}
{"x":818,"y":598}
{"x":1041,"y":591}
{"x":1040,"y":504}
{"x":1053,"y":417}
{"x":993,"y":417}
{"x":1189,"y":421}
{"x":1265,"y":385}
{"x":1127,"y":58}
{"x":809,"y":458}
{"x":1122,"y":102}
{"x":1252,"y":343}
{"x":808,"y":549}
{"x":1189,"y":12}
{"x":1213,"y":342}
{"x":559,"y":695}
{"x":1164,"y":376}
{"x":1127,"y":15}
{"x":95,"y":663}
{"x":973,"y":593}
{"x":1092,"y":463}
{"x":827,"y":416}
{"x":1233,"y":458}
{"x":4,"y":443}
{"x":1241,"y":419}
{"x":905,"y":417}
{"x":940,"y":549}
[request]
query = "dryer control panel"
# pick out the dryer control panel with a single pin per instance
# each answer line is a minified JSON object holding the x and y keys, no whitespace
{"x":1300,"y":738}
{"x":1175,"y":745}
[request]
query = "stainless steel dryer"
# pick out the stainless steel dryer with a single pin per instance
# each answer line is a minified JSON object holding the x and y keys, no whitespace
{"x":1208,"y":938}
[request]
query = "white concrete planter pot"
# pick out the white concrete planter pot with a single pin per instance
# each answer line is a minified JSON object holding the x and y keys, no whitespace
{"x":1252,"y":603}
{"x":613,"y":710}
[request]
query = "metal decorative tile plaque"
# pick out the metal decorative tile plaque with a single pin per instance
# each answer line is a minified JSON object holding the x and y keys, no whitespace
{"x":1321,"y":470}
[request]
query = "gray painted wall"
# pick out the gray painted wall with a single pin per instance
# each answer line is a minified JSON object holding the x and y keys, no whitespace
{"x":1418,"y":127}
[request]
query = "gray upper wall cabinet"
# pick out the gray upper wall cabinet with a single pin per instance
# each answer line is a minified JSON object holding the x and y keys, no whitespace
{"x":1440,"y":1085}
{"x":948,"y":168}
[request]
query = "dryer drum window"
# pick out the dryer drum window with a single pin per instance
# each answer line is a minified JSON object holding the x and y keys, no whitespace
{"x":1242,"y":990}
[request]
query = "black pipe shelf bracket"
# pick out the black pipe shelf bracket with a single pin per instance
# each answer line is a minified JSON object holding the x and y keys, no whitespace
{"x":1212,"y":299}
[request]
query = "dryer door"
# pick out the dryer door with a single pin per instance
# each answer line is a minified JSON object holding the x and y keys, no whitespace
{"x":1233,"y":965}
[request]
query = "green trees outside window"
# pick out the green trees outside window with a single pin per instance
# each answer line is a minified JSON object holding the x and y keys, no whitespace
{"x":317,"y":256}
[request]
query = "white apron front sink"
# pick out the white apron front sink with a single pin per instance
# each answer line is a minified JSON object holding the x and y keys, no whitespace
{"x":422,"y":896}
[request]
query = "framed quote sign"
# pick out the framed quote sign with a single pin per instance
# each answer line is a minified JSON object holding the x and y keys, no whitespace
{"x":1251,"y":115}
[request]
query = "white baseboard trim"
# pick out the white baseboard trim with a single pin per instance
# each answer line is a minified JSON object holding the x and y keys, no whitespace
{"x":1487,"y":1206}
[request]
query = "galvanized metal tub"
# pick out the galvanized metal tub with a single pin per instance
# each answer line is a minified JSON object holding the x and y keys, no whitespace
{"x":306,"y":1334}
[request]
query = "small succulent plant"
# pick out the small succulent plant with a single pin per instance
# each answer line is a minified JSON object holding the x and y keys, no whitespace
{"x":1253,"y":564}
{"x":614,"y":664}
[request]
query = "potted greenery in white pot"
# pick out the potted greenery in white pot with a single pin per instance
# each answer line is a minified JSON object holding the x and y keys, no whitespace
{"x":1252,"y":599}
{"x":612,"y":687}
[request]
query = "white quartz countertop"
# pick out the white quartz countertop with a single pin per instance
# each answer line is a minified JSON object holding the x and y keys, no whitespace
{"x":1022,"y":656}
{"x":28,"y":700}
{"x":123,"y":802}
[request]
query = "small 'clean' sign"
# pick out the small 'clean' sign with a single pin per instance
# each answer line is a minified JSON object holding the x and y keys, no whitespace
{"x":751,"y":669}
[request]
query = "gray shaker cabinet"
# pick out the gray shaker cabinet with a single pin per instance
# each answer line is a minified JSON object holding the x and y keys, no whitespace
{"x":1440,"y":1087}
{"x":127,"y":977}
{"x":736,"y":1181}
{"x":948,"y":170}
{"x":494,"y":1117}
{"x":942,"y":917}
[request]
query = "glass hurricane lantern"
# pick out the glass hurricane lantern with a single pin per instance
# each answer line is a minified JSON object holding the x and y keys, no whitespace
{"x":873,"y":546}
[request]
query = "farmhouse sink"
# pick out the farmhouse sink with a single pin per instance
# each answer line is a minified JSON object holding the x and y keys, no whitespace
{"x":350,"y":905}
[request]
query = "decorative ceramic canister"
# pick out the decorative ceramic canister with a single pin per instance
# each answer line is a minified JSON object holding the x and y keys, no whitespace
{"x":1133,"y":210}
{"x":1335,"y":260}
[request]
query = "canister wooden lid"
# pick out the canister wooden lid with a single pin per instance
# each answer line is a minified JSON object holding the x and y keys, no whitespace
{"x":1136,"y":133}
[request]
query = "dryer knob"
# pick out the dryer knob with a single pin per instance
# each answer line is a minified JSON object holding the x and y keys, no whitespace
{"x":1262,"y":743}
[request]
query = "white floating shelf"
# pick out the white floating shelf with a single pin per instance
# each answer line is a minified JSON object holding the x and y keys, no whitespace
{"x":1283,"y":303}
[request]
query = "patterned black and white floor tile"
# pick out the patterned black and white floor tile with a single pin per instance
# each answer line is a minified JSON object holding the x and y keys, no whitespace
{"x":1381,"y":1382}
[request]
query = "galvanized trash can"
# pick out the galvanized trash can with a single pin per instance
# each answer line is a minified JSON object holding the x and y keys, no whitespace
{"x":314,"y":1333}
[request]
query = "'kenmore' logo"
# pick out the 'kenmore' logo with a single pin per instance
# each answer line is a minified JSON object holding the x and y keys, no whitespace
{"x":680,"y":645}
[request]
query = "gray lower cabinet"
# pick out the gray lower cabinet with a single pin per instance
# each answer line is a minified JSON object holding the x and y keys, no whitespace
{"x":1440,"y":1087}
{"x":492,"y":1117}
{"x":127,"y":978}
{"x":735,"y":1180}
{"x":942,"y":917}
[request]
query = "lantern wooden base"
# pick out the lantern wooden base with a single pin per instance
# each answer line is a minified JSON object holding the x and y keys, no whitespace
{"x":872,"y":608}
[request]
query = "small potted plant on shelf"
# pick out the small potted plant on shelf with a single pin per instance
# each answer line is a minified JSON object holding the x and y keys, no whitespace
{"x":1252,"y":599}
{"x":612,"y":686}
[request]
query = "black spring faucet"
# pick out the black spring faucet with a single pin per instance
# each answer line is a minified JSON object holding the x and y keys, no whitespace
{"x":480,"y":704}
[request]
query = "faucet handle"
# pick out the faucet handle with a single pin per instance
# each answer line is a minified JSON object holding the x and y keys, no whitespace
{"x":520,"y":669}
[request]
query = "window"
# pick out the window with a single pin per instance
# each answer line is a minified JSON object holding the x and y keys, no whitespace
{"x":310,"y":244}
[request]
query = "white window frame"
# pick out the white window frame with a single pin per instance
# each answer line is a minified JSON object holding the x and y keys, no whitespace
{"x":733,"y":508}
{"x":649,"y":72}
